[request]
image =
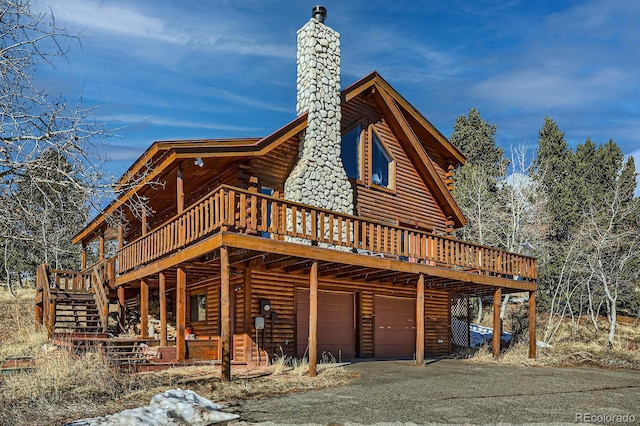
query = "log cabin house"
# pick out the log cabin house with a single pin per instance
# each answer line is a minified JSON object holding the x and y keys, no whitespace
{"x":330,"y":237}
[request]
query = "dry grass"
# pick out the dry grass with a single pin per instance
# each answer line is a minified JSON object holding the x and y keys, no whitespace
{"x":576,"y":345}
{"x":17,"y":321}
{"x":63,"y":387}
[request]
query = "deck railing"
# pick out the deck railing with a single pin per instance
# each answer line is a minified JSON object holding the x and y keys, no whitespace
{"x":234,"y":209}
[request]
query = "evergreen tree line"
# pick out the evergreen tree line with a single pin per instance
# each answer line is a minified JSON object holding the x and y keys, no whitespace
{"x":574,"y":210}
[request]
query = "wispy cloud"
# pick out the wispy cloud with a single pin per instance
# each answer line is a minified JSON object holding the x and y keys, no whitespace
{"x":119,"y":152}
{"x":543,"y":88}
{"x":484,"y":7}
{"x":125,"y":21}
{"x":134,"y":119}
{"x":251,"y":101}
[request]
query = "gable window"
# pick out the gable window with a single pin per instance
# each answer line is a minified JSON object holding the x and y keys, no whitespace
{"x":351,"y":152}
{"x":382,"y":165}
{"x":198,"y":307}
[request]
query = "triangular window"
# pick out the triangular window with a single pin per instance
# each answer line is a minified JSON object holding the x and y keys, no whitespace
{"x":351,"y":152}
{"x":382,"y":165}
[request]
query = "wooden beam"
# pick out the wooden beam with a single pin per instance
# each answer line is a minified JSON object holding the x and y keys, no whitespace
{"x":248,"y":318}
{"x":51,"y":323}
{"x":121,"y":308}
{"x":162,"y":293}
{"x":280,"y":262}
{"x":532,"y":324}
{"x":420,"y":321}
{"x":144,"y":309}
{"x":101,"y":246}
{"x":495,"y":343}
{"x":232,"y":239}
{"x":83,"y":258}
{"x":39,"y":316}
{"x":225,"y":314}
{"x":181,"y":313}
{"x":180,"y":189}
{"x":313,"y":318}
{"x":143,"y":225}
{"x":299,"y":265}
{"x":120,"y":236}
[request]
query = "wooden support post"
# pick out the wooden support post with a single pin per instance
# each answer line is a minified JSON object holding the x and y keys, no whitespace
{"x":122,"y":313}
{"x":39,"y":316}
{"x":162,"y":293}
{"x":313,"y":318}
{"x":181,"y":313}
{"x":101,"y":246}
{"x":120,"y":236}
{"x":180,"y":190}
{"x":52,"y":318}
{"x":143,"y":224}
{"x":495,"y":343}
{"x":83,"y":258}
{"x":248,"y":318}
{"x":225,"y":314}
{"x":420,"y":321}
{"x":532,"y":324}
{"x":144,"y":309}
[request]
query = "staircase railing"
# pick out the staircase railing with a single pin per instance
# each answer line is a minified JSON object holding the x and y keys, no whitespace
{"x":93,"y":279}
{"x":101,"y":274}
{"x":45,"y":301}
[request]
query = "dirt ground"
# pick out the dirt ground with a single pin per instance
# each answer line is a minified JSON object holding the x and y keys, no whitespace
{"x":456,"y":391}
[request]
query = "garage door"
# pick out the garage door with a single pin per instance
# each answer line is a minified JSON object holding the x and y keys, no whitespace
{"x":335,"y":324}
{"x":395,"y":320}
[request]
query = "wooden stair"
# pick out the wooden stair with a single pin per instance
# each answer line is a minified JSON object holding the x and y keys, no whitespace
{"x":76,"y":312}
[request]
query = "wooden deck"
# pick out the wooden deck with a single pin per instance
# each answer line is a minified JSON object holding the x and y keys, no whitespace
{"x":234,"y":210}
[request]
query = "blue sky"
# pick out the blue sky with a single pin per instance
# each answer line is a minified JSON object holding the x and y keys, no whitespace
{"x":226,"y":68}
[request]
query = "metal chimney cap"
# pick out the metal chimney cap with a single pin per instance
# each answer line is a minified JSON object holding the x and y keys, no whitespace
{"x":319,"y":12}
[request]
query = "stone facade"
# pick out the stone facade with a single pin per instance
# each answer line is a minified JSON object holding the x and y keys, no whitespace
{"x":319,"y":178}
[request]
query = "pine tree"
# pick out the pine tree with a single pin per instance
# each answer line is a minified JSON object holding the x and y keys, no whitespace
{"x":555,"y":170}
{"x":476,"y":182}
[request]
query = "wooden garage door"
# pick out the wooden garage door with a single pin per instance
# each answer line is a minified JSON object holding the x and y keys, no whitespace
{"x":335,"y":324}
{"x":395,"y":320}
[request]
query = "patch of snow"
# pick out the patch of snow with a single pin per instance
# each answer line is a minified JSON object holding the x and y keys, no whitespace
{"x":175,"y":406}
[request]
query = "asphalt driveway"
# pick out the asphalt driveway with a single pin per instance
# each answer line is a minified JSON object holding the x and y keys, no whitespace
{"x":457,"y":391}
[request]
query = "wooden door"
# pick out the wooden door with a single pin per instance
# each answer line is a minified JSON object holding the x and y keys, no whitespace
{"x":336,"y":329}
{"x":395,"y":325}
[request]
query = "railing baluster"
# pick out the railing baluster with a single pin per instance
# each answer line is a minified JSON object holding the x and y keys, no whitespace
{"x":303,"y":221}
{"x":253,"y":223}
{"x":314,"y":225}
{"x":263,"y":215}
{"x":331,"y":228}
{"x":294,"y":221}
{"x":243,"y":211}
{"x":322,"y":235}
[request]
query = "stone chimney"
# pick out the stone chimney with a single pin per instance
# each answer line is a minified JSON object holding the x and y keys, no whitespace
{"x":319,"y":178}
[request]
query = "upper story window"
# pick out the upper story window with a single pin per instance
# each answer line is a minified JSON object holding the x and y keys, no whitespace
{"x":351,"y":152}
{"x":382,"y":165}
